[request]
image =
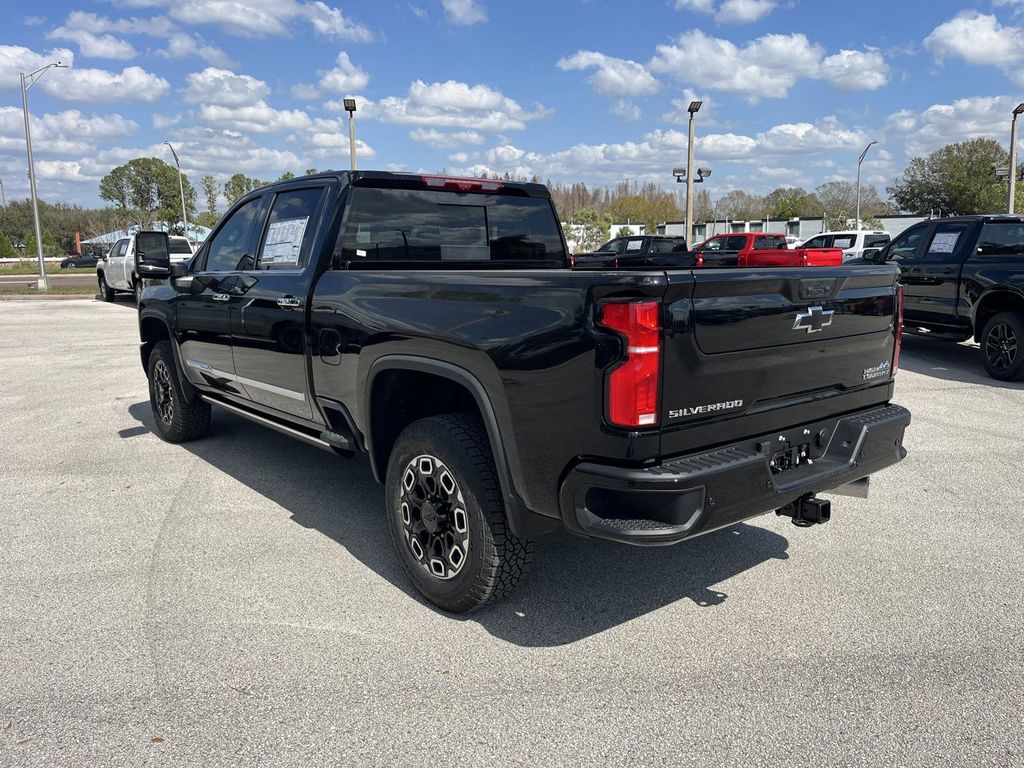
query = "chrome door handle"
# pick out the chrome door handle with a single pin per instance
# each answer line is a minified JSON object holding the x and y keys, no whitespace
{"x":220,"y":297}
{"x":289,"y":302}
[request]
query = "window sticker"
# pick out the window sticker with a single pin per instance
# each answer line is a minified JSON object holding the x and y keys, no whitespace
{"x":284,"y":241}
{"x":944,"y":242}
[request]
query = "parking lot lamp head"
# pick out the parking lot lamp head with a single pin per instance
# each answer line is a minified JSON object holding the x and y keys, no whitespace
{"x":27,"y":81}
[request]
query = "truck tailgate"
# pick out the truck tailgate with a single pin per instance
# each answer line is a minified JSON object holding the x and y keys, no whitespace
{"x":746,"y":342}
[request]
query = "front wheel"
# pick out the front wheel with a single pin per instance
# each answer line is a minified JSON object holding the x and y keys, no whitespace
{"x":177,"y":420}
{"x":446,"y":517}
{"x":106,"y":294}
{"x":1001,"y":346}
{"x":137,"y":289}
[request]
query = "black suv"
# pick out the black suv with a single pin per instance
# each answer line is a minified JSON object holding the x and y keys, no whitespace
{"x":963,"y":277}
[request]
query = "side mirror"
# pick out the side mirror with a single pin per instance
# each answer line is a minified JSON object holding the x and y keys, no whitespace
{"x":153,"y":255}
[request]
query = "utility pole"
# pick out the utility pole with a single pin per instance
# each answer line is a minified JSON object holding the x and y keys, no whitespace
{"x":27,"y":81}
{"x":3,"y":196}
{"x":859,"y":161}
{"x":692,"y":109}
{"x":1013,"y":158}
{"x":350,"y":107}
{"x":181,"y":188}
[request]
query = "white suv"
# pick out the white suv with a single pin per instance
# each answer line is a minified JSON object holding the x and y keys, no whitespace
{"x":856,"y":244}
{"x":116,"y":271}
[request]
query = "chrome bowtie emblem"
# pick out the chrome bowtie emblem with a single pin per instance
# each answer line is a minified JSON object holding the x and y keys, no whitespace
{"x":814,"y":319}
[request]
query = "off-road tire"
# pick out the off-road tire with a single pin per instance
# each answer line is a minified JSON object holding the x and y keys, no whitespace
{"x":495,"y":559}
{"x":1002,"y":346}
{"x":106,"y":292}
{"x":182,"y":420}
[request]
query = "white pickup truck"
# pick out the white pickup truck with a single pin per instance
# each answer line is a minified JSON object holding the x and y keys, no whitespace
{"x":117,"y":272}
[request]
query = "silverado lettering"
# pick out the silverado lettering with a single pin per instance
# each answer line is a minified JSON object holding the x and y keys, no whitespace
{"x":709,"y":408}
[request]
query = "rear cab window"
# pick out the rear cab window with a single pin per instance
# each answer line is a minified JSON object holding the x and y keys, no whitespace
{"x":1002,"y":239}
{"x":430,"y":228}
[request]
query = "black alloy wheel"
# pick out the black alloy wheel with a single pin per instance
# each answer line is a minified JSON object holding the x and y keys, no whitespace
{"x":1001,"y":346}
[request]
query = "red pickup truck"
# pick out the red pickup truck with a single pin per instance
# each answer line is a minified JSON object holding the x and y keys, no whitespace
{"x":759,"y":249}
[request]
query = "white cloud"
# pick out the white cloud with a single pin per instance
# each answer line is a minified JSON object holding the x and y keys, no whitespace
{"x":701,"y":6}
{"x":452,"y":105}
{"x":464,"y":13}
{"x":15,"y":59}
{"x":743,"y":11}
{"x":65,"y":132}
{"x":81,"y":26}
{"x":980,"y":39}
{"x":614,"y":77}
{"x":93,"y":45}
{"x":165,"y":121}
{"x":304,"y":91}
{"x":345,"y":77}
{"x":856,"y":70}
{"x":941,"y":124}
{"x":766,"y":67}
{"x":442,"y":139}
{"x":265,"y":18}
{"x":730,"y":11}
{"x":462,"y":158}
{"x":102,"y":86}
{"x":255,"y":118}
{"x":327,"y":145}
{"x":626,"y":109}
{"x":223,"y":87}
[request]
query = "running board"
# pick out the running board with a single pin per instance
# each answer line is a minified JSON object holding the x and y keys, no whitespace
{"x":277,"y":426}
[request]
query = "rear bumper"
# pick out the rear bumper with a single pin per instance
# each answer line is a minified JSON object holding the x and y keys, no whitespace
{"x":693,"y":494}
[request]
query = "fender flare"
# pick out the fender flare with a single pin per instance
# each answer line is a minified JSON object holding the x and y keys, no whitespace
{"x":515,"y":507}
{"x":187,"y":388}
{"x":998,"y":288}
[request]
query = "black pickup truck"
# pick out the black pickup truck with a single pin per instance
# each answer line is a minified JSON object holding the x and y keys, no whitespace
{"x":963,"y":278}
{"x":637,"y":251}
{"x":433,"y":324}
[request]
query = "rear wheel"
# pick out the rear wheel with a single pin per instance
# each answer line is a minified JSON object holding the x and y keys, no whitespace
{"x":446,"y":516}
{"x":177,"y":420}
{"x":1002,"y":346}
{"x":106,"y":294}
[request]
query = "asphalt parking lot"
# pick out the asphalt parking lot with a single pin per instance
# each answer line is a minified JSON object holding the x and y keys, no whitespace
{"x":236,"y":601}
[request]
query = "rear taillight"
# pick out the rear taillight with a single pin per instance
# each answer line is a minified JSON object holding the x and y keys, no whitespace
{"x":633,"y":386}
{"x":898,"y":346}
{"x":700,"y":260}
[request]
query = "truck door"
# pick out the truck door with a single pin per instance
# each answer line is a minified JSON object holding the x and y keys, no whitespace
{"x":269,"y":324}
{"x":217,"y":286}
{"x":113,"y":270}
{"x":931,"y":274}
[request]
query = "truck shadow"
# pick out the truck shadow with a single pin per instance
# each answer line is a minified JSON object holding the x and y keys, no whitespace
{"x":576,"y":587}
{"x":949,"y":361}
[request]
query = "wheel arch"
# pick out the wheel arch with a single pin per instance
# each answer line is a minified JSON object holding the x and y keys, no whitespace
{"x":389,"y":408}
{"x":154,"y":328}
{"x":994,"y":301}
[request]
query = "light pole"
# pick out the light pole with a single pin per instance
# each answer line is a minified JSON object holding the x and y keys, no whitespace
{"x":27,"y":81}
{"x":3,"y":197}
{"x":350,"y":107}
{"x":683,"y":175}
{"x":181,"y":188}
{"x":859,"y":161}
{"x":1013,"y":158}
{"x":693,"y":109}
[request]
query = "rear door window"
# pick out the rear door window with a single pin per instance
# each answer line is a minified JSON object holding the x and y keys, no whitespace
{"x":634,"y":245}
{"x":948,"y":240}
{"x":875,"y":241}
{"x":404,"y":225}
{"x":844,"y":241}
{"x":821,"y":241}
{"x":288,"y":238}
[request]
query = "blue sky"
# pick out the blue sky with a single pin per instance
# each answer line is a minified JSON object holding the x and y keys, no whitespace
{"x":572,"y":90}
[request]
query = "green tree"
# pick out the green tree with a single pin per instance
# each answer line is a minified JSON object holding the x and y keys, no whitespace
{"x":286,"y":176}
{"x":958,"y":178}
{"x":211,"y":189}
{"x":238,"y":185}
{"x":624,"y":231}
{"x":311,"y":171}
{"x":791,"y":203}
{"x":145,"y":190}
{"x":740,"y":205}
{"x":839,"y":203}
{"x":591,"y":229}
{"x":7,"y":249}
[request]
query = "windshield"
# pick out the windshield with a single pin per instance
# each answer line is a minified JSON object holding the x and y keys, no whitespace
{"x":179,"y":245}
